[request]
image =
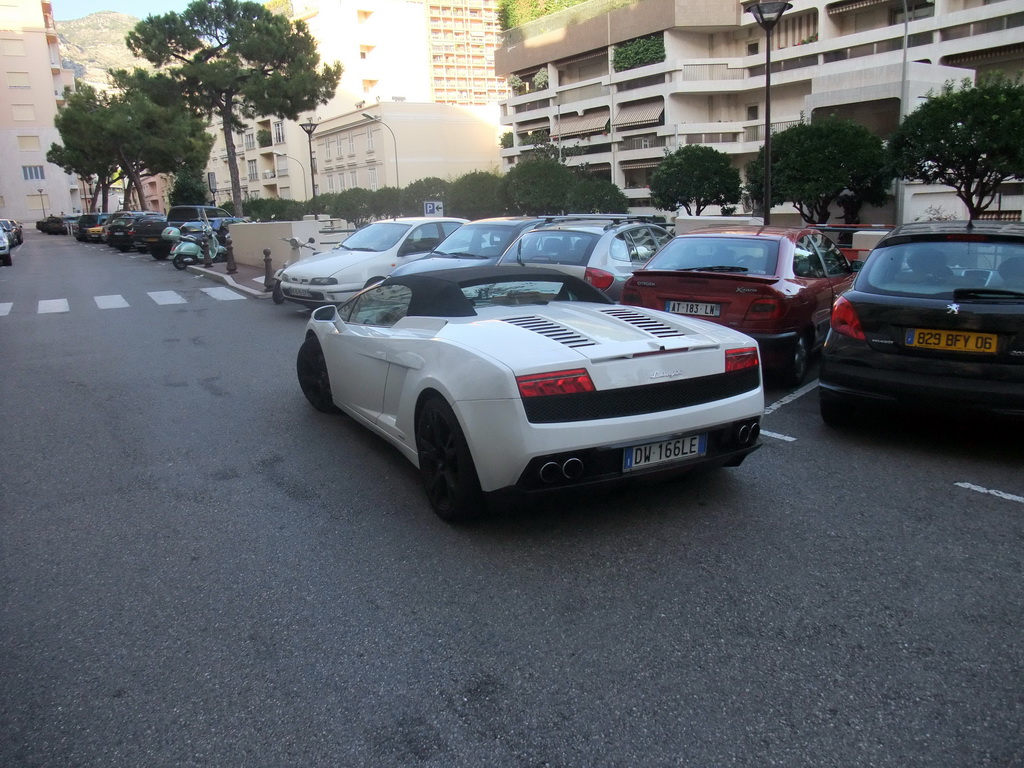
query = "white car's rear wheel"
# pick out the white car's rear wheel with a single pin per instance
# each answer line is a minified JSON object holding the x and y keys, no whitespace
{"x":446,"y":465}
{"x":313,"y":378}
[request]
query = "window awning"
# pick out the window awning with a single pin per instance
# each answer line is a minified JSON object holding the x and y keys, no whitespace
{"x":1006,"y":51}
{"x":633,"y":165}
{"x":854,"y":5}
{"x":530,"y":126}
{"x":639,"y":114}
{"x":576,"y":125}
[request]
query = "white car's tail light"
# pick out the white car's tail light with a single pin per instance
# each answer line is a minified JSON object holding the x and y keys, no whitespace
{"x":555,"y":383}
{"x":599,"y":278}
{"x":742,"y":358}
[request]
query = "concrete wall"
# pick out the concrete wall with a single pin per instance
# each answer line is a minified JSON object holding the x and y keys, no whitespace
{"x":249,"y":240}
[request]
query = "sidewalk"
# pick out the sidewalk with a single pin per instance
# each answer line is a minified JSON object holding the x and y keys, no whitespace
{"x":249,"y":280}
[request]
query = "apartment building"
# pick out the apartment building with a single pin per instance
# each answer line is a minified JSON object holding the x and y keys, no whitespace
{"x":425,"y":68}
{"x":33,"y":82}
{"x":357,"y":143}
{"x":871,"y":61}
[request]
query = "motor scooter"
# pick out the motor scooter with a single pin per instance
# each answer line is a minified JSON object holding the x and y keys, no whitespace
{"x":191,"y":241}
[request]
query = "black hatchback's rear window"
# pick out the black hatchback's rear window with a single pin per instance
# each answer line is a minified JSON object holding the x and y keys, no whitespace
{"x":937,"y":268}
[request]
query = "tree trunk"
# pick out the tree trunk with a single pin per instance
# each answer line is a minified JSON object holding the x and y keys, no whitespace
{"x":229,"y":145}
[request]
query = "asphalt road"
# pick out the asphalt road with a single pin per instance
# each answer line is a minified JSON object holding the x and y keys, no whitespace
{"x":198,"y":569}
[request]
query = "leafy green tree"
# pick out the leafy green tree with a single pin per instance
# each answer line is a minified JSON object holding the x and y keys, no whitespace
{"x":475,"y":196}
{"x":189,"y":188}
{"x":694,"y":177}
{"x":235,"y":60}
{"x":353,"y":205}
{"x":386,"y":203}
{"x":86,"y":150}
{"x":593,"y":195}
{"x":823,"y":162}
{"x":535,"y":187}
{"x":276,"y":209}
{"x":422,"y":190}
{"x":150,"y":131}
{"x":968,"y":138}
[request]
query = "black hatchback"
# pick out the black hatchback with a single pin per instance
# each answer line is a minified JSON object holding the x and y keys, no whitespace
{"x":935,"y":320}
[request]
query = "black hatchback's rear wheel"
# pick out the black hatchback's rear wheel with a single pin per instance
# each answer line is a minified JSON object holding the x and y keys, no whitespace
{"x":313,"y":377}
{"x":446,"y":465}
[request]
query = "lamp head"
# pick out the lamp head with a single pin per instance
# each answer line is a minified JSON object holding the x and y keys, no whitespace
{"x":309,"y":126}
{"x":766,"y":14}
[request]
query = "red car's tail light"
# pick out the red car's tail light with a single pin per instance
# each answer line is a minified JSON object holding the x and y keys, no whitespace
{"x":765,"y":309}
{"x":555,"y":383}
{"x":845,"y":320}
{"x":738,"y":359}
{"x":599,"y":278}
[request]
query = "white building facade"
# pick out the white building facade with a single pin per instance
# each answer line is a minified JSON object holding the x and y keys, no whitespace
{"x":845,"y":57}
{"x":33,"y":83}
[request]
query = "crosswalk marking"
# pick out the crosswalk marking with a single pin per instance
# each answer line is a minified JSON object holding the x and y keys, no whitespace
{"x":110,"y":302}
{"x":117,"y":301}
{"x":53,"y":305}
{"x":222,"y":294}
{"x":167,"y":297}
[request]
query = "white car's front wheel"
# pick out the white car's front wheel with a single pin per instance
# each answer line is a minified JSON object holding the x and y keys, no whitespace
{"x":446,"y":465}
{"x":313,"y":377}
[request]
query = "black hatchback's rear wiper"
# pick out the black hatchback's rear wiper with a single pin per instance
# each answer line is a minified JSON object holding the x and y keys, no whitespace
{"x":719,"y":268}
{"x":986,"y":293}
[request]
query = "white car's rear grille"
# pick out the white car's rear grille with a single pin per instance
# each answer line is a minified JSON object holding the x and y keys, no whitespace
{"x":552,"y":330}
{"x":643,"y":322}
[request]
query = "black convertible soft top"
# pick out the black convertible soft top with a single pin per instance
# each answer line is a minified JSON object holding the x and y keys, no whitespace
{"x":439,"y":293}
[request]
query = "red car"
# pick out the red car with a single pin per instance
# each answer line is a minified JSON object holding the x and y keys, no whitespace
{"x":773,"y":283}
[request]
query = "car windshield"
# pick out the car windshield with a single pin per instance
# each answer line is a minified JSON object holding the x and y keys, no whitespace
{"x":510,"y":293}
{"x":939,"y":268}
{"x":476,"y":241}
{"x":375,"y":237}
{"x":757,"y":256}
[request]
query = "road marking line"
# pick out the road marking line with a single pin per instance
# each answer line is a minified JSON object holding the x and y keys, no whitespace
{"x":5,"y":309}
{"x":222,"y":294}
{"x":167,"y":297}
{"x":990,"y":492}
{"x":53,"y":305}
{"x":791,"y":397}
{"x":777,"y":436}
{"x":110,"y":302}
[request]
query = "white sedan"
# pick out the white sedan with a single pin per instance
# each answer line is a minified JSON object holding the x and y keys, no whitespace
{"x":520,"y":380}
{"x":362,"y":259}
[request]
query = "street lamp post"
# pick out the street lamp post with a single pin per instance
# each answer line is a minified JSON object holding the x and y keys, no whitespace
{"x":310,"y":127}
{"x":301,"y":168}
{"x":42,"y":202}
{"x":767,"y":15}
{"x":379,"y":119}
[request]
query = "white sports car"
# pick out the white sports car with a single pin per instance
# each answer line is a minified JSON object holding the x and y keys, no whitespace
{"x":518,"y":381}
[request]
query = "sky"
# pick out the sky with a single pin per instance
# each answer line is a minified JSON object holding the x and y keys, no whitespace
{"x":65,"y":10}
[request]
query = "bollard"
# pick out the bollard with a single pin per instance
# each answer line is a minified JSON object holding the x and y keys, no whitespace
{"x":268,"y":271}
{"x":207,"y":251}
{"x":230,"y":257}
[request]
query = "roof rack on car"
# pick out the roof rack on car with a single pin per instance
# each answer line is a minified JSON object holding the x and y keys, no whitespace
{"x":613,"y":219}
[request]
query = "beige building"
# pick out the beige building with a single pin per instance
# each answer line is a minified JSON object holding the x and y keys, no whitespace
{"x":418,"y":98}
{"x":845,"y":57}
{"x":33,"y":83}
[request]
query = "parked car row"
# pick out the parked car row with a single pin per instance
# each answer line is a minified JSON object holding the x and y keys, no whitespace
{"x":776,"y":284}
{"x":10,"y":236}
